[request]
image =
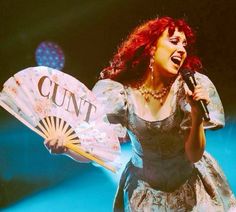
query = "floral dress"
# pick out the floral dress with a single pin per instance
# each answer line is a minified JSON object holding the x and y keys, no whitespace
{"x":158,"y":176}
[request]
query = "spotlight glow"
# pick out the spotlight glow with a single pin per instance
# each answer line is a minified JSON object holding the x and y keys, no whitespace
{"x":50,"y":54}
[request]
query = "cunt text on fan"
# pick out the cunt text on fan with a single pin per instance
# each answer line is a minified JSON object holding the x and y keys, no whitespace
{"x":49,"y":89}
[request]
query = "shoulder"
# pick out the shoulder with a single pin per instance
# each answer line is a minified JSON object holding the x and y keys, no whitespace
{"x":108,"y":85}
{"x":111,"y":93}
{"x":208,"y":84}
{"x":203,"y":79}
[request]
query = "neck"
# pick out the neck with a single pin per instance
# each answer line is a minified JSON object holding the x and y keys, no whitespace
{"x":156,"y":81}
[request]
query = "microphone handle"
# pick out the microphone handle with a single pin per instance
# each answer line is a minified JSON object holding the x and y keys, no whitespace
{"x":202,"y":104}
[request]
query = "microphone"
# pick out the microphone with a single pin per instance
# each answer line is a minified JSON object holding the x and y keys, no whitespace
{"x":189,"y":79}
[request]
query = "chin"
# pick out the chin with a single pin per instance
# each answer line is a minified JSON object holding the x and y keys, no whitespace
{"x":170,"y":71}
{"x":173,"y":72}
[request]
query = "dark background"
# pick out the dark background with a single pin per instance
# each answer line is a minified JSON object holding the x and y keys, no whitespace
{"x":89,"y":31}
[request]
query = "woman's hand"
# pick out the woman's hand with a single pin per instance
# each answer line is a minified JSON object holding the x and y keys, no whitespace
{"x":200,"y":93}
{"x":55,"y":145}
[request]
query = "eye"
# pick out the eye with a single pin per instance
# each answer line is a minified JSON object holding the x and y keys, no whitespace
{"x":174,"y":41}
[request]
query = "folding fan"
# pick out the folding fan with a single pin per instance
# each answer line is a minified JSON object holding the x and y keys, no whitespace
{"x":54,"y":104}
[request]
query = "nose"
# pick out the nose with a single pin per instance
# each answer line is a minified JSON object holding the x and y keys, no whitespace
{"x":181,"y":49}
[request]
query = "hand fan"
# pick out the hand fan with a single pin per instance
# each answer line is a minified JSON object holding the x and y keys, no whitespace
{"x":55,"y":104}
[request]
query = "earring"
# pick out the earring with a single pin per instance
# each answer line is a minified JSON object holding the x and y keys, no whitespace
{"x":152,"y":60}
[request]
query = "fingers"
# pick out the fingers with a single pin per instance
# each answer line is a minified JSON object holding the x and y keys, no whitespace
{"x":61,"y":145}
{"x":189,"y":95}
{"x":56,"y":145}
{"x":189,"y":92}
{"x":200,"y":93}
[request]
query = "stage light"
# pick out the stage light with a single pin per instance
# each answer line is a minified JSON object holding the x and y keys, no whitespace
{"x":50,"y":54}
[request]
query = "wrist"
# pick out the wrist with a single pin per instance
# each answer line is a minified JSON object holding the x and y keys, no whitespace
{"x":196,"y":113}
{"x":196,"y":119}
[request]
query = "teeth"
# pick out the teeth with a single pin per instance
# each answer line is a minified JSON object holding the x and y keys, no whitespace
{"x":176,"y":60}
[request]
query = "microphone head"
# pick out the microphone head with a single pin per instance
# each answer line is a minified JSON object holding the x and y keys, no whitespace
{"x":188,"y":77}
{"x":185,"y":71}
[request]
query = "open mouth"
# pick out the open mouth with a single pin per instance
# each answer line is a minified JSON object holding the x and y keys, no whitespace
{"x":176,"y":60}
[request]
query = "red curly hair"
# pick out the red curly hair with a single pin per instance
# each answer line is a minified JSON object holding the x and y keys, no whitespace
{"x":132,"y":58}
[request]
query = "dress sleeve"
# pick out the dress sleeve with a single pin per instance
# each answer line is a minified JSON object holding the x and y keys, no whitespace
{"x":216,"y":111}
{"x":112,"y":97}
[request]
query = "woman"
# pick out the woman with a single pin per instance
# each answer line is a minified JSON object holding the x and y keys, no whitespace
{"x":143,"y":92}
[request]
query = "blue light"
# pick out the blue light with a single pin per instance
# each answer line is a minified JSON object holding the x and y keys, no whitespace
{"x":50,"y":54}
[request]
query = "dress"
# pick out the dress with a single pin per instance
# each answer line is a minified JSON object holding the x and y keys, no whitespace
{"x":159,"y":177}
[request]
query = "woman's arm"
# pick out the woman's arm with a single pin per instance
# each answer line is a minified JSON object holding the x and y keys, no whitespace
{"x":196,"y":140}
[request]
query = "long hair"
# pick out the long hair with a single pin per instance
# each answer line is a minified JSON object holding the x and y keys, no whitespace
{"x":130,"y":62}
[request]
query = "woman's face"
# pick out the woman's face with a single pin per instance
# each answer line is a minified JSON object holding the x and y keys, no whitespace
{"x":170,"y":53}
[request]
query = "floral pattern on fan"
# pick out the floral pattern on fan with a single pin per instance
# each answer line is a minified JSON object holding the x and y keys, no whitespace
{"x":53,"y":104}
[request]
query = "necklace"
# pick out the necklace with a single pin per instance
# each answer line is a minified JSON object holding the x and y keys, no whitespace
{"x":158,"y":95}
